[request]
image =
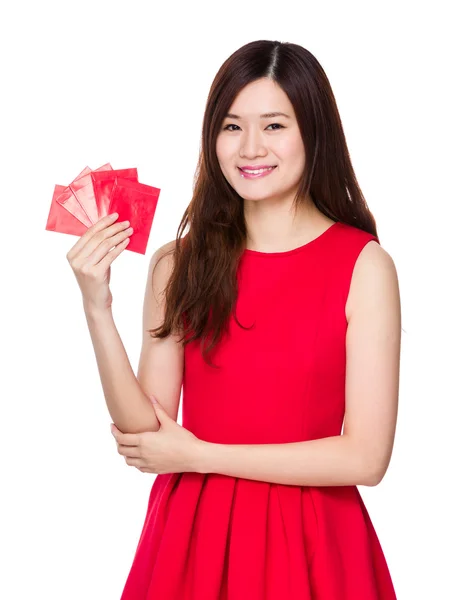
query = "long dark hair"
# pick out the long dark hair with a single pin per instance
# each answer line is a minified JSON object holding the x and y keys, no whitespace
{"x":202,"y":288}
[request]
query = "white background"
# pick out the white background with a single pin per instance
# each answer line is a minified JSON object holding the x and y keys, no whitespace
{"x":126,"y":83}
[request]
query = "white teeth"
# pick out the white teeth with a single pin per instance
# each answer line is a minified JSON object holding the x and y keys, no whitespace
{"x":258,"y":171}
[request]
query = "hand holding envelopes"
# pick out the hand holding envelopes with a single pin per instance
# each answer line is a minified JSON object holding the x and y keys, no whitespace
{"x":93,"y":194}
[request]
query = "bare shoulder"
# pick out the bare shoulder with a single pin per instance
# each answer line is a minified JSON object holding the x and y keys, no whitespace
{"x":164,"y":254}
{"x":161,"y":265}
{"x":160,"y":268}
{"x":374,"y":280}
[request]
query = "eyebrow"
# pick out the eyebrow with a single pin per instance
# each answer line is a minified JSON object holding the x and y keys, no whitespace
{"x":263,"y":116}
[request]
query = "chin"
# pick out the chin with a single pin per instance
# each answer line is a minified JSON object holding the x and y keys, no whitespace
{"x":256,"y":198}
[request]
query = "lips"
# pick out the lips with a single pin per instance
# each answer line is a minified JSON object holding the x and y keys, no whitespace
{"x":258,"y":174}
{"x":247,"y":169}
{"x":256,"y":167}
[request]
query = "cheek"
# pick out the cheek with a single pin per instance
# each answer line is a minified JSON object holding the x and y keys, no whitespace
{"x":224,"y":149}
{"x":291,"y":149}
{"x":225,"y":160}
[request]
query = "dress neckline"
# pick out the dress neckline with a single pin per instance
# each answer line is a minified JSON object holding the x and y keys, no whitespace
{"x":305,"y":246}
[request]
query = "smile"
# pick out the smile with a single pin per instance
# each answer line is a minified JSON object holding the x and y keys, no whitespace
{"x":247,"y":174}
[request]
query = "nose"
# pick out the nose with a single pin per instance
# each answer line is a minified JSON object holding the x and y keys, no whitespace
{"x":252,"y":144}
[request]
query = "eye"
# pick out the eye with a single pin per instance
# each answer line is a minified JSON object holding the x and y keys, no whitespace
{"x":226,"y":128}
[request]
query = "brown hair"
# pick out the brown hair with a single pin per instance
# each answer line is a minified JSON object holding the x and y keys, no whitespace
{"x":202,"y":288}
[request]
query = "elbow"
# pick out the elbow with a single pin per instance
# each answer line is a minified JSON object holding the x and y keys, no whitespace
{"x":375,"y":475}
{"x":138,"y":422}
{"x":373,"y":471}
{"x":139,"y":426}
{"x":373,"y":479}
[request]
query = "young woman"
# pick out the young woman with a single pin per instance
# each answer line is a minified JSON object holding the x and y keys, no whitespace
{"x":279,"y":315}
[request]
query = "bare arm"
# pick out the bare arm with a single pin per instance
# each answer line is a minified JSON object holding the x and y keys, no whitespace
{"x":129,"y":408}
{"x":325,"y":461}
{"x":160,"y":369}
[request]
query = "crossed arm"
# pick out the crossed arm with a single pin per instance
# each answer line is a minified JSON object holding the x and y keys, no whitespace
{"x":361,"y":455}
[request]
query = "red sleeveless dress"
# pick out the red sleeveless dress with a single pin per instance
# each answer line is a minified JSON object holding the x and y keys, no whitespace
{"x":215,"y":537}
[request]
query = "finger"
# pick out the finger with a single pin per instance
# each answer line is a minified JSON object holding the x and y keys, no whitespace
{"x":129,"y":451}
{"x":128,"y":439}
{"x":102,"y":242}
{"x":134,"y":462}
{"x":101,"y":224}
{"x":112,"y":254}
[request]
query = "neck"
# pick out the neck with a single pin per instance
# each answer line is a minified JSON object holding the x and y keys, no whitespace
{"x":272,"y":227}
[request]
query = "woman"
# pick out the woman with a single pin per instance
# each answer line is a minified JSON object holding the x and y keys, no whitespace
{"x":281,"y":271}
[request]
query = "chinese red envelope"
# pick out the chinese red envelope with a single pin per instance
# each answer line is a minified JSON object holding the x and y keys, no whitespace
{"x":69,"y":199}
{"x":83,"y":191}
{"x":103,"y":184}
{"x":62,"y":220}
{"x":95,"y":194}
{"x":135,"y":202}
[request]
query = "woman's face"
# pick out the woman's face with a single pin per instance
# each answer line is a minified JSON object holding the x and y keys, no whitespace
{"x":248,"y":140}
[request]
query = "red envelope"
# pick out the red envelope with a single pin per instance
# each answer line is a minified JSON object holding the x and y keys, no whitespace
{"x":61,"y":220}
{"x":83,"y":191}
{"x":74,"y":206}
{"x":69,"y":201}
{"x":103,"y":184}
{"x":135,"y":202}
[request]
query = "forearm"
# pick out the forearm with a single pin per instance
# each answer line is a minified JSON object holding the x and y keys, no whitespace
{"x":128,"y":405}
{"x":329,"y":461}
